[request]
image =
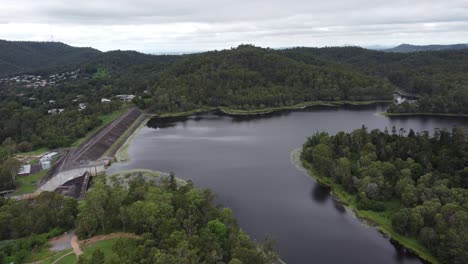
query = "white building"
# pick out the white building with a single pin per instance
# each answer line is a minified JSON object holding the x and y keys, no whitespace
{"x":45,"y":165}
{"x":105,"y":100}
{"x":48,"y":156}
{"x":125,"y":97}
{"x":24,"y":170}
{"x":55,"y":111}
{"x":82,"y":106}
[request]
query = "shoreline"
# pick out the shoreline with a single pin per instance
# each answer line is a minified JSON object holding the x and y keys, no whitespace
{"x":239,"y":112}
{"x":367,"y":217}
{"x":121,"y":154}
{"x":422,"y":114}
{"x":124,"y":176}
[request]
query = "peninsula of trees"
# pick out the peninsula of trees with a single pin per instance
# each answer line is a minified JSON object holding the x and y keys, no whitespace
{"x":410,"y":184}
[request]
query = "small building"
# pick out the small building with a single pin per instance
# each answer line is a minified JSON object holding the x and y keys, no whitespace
{"x":48,"y":157}
{"x":105,"y":100}
{"x":24,"y":170}
{"x":55,"y":111}
{"x":45,"y":165}
{"x":125,"y":97}
{"x":82,"y":106}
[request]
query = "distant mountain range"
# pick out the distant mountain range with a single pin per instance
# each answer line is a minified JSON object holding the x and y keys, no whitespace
{"x":405,"y":48}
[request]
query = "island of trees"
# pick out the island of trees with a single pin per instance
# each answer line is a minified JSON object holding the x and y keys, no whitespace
{"x":411,"y":184}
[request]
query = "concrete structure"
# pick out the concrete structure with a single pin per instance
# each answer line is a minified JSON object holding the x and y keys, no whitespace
{"x":24,"y":170}
{"x":45,"y":165}
{"x":66,"y":175}
{"x":48,"y":157}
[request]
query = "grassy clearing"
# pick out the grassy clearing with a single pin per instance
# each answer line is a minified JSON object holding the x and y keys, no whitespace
{"x":34,"y":152}
{"x":382,"y":220}
{"x":47,"y":257}
{"x":106,"y":119}
{"x":102,"y":73}
{"x":105,"y":246}
{"x":69,"y":259}
{"x":27,"y":184}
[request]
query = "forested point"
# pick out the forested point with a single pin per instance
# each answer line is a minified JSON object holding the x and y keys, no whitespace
{"x":177,"y":224}
{"x":416,"y":180}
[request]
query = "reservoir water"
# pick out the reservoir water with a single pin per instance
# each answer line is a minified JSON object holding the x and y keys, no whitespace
{"x":246,"y":162}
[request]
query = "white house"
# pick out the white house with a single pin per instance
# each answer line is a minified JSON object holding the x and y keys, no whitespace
{"x":126,"y":97}
{"x":105,"y":100}
{"x":48,"y":156}
{"x":55,"y":111}
{"x":82,"y":106}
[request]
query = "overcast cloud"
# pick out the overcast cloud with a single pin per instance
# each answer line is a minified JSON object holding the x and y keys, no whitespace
{"x":184,"y":25}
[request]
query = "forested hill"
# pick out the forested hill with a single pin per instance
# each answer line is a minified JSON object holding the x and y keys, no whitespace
{"x":438,"y":76}
{"x":250,"y":77}
{"x":23,"y":56}
{"x":418,"y":48}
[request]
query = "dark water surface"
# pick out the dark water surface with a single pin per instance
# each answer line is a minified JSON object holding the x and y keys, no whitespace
{"x":246,"y":161}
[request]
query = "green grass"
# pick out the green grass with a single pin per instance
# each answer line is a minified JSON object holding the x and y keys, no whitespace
{"x":106,"y":119}
{"x":232,"y":111}
{"x":34,"y":152}
{"x":102,"y":73}
{"x":187,"y":113}
{"x":27,"y":184}
{"x":104,"y":245}
{"x":47,"y":256}
{"x":382,"y":220}
{"x":70,"y":259}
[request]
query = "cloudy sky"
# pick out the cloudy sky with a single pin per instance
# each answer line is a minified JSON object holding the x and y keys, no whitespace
{"x":189,"y":25}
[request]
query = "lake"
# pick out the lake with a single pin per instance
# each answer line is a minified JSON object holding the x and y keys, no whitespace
{"x":246,"y":162}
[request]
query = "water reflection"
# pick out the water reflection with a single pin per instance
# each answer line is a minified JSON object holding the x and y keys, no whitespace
{"x":402,"y":253}
{"x":245,"y":160}
{"x":320,"y":193}
{"x":339,"y":206}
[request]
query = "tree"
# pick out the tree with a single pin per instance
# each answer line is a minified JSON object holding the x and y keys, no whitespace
{"x":97,"y":257}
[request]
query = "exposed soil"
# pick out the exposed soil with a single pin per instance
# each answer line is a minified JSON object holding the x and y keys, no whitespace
{"x":61,"y":242}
